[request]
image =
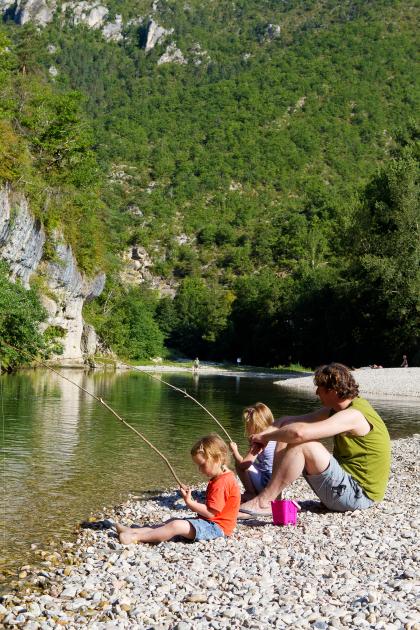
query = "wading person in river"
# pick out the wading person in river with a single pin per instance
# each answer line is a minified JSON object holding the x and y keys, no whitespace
{"x":216,"y":517}
{"x":355,"y":476}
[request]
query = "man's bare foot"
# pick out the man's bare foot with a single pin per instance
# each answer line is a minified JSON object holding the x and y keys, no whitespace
{"x":256,"y":506}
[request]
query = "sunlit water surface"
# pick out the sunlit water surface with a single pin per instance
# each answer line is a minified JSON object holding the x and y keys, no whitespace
{"x":64,"y":456}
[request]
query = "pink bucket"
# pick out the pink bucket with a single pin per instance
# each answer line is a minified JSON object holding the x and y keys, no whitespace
{"x":284,"y":512}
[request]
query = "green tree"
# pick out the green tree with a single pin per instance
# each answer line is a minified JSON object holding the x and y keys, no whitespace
{"x":21,"y":313}
{"x":201,"y":317}
{"x":124,"y":319}
{"x":387,"y":246}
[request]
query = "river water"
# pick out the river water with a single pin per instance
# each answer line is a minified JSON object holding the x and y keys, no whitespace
{"x":64,"y":456}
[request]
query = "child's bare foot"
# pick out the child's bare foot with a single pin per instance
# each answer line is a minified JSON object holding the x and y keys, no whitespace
{"x":121,"y":528}
{"x":128,"y":537}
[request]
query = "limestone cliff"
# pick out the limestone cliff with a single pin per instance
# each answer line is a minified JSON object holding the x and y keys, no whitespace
{"x":42,"y":12}
{"x":96,"y":16}
{"x":22,"y":241}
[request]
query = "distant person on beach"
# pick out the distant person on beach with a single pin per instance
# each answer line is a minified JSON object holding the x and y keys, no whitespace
{"x":355,"y":476}
{"x":255,"y":468}
{"x":405,"y":361}
{"x":216,"y":517}
{"x":196,"y":365}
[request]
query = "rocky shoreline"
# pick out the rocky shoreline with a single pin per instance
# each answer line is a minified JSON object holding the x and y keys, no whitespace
{"x":354,"y":570}
{"x":393,"y":382}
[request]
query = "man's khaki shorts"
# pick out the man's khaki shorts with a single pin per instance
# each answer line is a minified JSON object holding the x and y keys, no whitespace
{"x":337,"y":490}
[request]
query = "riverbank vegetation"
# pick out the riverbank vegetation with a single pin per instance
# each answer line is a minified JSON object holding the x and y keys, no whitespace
{"x":272,"y":179}
{"x":21,"y":315}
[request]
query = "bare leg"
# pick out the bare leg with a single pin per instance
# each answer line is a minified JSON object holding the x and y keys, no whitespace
{"x":278,"y":456}
{"x":160,"y":533}
{"x":288,"y":466}
{"x":246,"y":482}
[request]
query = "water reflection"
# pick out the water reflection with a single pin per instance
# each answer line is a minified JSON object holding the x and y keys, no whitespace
{"x":64,"y":455}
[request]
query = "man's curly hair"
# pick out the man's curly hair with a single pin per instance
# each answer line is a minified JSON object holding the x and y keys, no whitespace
{"x":337,"y":377}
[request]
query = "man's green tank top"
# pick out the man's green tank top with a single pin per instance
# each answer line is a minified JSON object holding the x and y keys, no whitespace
{"x":368,"y":458}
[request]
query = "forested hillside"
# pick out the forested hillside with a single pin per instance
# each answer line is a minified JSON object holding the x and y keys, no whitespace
{"x":269,"y":170}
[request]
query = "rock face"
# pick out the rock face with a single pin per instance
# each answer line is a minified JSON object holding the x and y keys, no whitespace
{"x":273,"y":31}
{"x":21,"y":237}
{"x":89,"y":340}
{"x":22,"y":240}
{"x":172,"y":55}
{"x":91,"y":14}
{"x":71,"y":289}
{"x":6,"y":4}
{"x":138,"y":268}
{"x":39,"y":11}
{"x":155,"y":34}
{"x":113,"y":30}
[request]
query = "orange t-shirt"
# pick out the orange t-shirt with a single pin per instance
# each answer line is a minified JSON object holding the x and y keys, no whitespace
{"x":224,"y":496}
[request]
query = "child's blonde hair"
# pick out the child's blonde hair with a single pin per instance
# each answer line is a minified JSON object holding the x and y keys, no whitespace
{"x":212,"y":447}
{"x":257,"y":418}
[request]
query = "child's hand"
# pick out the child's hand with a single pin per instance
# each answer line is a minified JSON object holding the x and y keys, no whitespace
{"x":233,"y":447}
{"x":186,"y":494}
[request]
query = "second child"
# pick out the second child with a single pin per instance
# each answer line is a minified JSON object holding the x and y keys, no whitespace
{"x":255,"y":469}
{"x":215,"y":518}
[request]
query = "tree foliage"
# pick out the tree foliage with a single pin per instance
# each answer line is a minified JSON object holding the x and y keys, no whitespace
{"x":271,"y":179}
{"x":125,"y":321}
{"x":20,"y":316}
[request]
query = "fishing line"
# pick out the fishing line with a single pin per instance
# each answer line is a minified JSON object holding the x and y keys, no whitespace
{"x":183,"y":392}
{"x":24,"y":352}
{"x":4,"y":451}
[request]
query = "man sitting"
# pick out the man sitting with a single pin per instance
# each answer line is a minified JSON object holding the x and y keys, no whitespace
{"x":356,"y":475}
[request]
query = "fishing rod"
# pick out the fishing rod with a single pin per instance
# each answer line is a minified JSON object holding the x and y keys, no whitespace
{"x":100,"y":400}
{"x":182,"y":391}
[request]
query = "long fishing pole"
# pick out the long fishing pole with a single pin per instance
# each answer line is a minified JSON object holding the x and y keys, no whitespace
{"x":24,"y":352}
{"x":183,"y":392}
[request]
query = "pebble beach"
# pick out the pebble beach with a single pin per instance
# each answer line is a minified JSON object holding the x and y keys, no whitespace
{"x":352,"y":570}
{"x":385,"y":382}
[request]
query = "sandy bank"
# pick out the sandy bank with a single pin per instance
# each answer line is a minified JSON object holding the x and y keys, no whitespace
{"x":333,"y":570}
{"x":395,"y":382}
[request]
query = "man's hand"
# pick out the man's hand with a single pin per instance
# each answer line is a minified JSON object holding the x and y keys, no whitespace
{"x":259,"y":441}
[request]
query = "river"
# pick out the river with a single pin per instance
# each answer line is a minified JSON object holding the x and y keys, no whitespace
{"x":64,"y":456}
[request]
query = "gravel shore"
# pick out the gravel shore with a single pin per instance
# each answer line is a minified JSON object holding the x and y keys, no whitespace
{"x":353,"y":570}
{"x":395,"y":382}
{"x":207,"y":369}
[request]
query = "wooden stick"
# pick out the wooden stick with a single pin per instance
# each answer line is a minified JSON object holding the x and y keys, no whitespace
{"x":182,"y":391}
{"x":100,"y":400}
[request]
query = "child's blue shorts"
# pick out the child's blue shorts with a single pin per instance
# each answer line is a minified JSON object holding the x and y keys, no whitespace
{"x":205,"y":530}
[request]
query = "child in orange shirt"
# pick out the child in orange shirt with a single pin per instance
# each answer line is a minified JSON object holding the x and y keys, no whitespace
{"x":216,"y":518}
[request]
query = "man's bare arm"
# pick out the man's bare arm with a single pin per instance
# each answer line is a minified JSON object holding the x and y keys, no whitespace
{"x":346,"y":421}
{"x":272,"y":433}
{"x":313,"y":416}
